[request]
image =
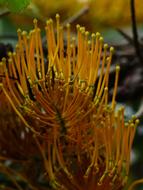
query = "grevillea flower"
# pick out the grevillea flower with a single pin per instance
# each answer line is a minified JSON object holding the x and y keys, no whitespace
{"x":84,"y":142}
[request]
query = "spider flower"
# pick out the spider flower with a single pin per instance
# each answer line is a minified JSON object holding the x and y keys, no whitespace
{"x":84,"y":142}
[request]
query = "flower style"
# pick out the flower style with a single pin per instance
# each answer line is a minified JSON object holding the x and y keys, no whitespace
{"x":84,"y":142}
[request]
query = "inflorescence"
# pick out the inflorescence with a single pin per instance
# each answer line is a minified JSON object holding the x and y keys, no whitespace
{"x":86,"y":144}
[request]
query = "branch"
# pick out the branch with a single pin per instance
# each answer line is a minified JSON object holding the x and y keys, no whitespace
{"x":126,"y":36}
{"x":4,"y":11}
{"x":76,"y":16}
{"x":134,"y":30}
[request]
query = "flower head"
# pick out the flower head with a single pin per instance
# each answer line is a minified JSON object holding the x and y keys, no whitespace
{"x":86,"y":143}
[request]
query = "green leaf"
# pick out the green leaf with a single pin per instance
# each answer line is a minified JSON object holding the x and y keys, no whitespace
{"x":15,"y":5}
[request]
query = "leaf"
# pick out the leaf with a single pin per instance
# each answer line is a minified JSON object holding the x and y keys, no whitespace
{"x":15,"y":5}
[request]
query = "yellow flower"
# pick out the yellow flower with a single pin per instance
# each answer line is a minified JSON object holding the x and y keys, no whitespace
{"x":86,"y":143}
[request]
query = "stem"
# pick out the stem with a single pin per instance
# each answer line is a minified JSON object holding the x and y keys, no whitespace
{"x":76,"y":16}
{"x":135,"y":183}
{"x":4,"y":12}
{"x":126,"y":36}
{"x":134,"y":30}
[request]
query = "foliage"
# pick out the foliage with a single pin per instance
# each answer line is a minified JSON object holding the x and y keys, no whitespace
{"x":15,"y":5}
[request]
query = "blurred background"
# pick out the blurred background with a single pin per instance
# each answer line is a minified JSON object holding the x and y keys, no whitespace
{"x":113,"y":20}
{"x":103,"y":16}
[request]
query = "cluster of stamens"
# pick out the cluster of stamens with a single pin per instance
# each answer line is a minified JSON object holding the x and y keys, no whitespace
{"x":86,"y":144}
